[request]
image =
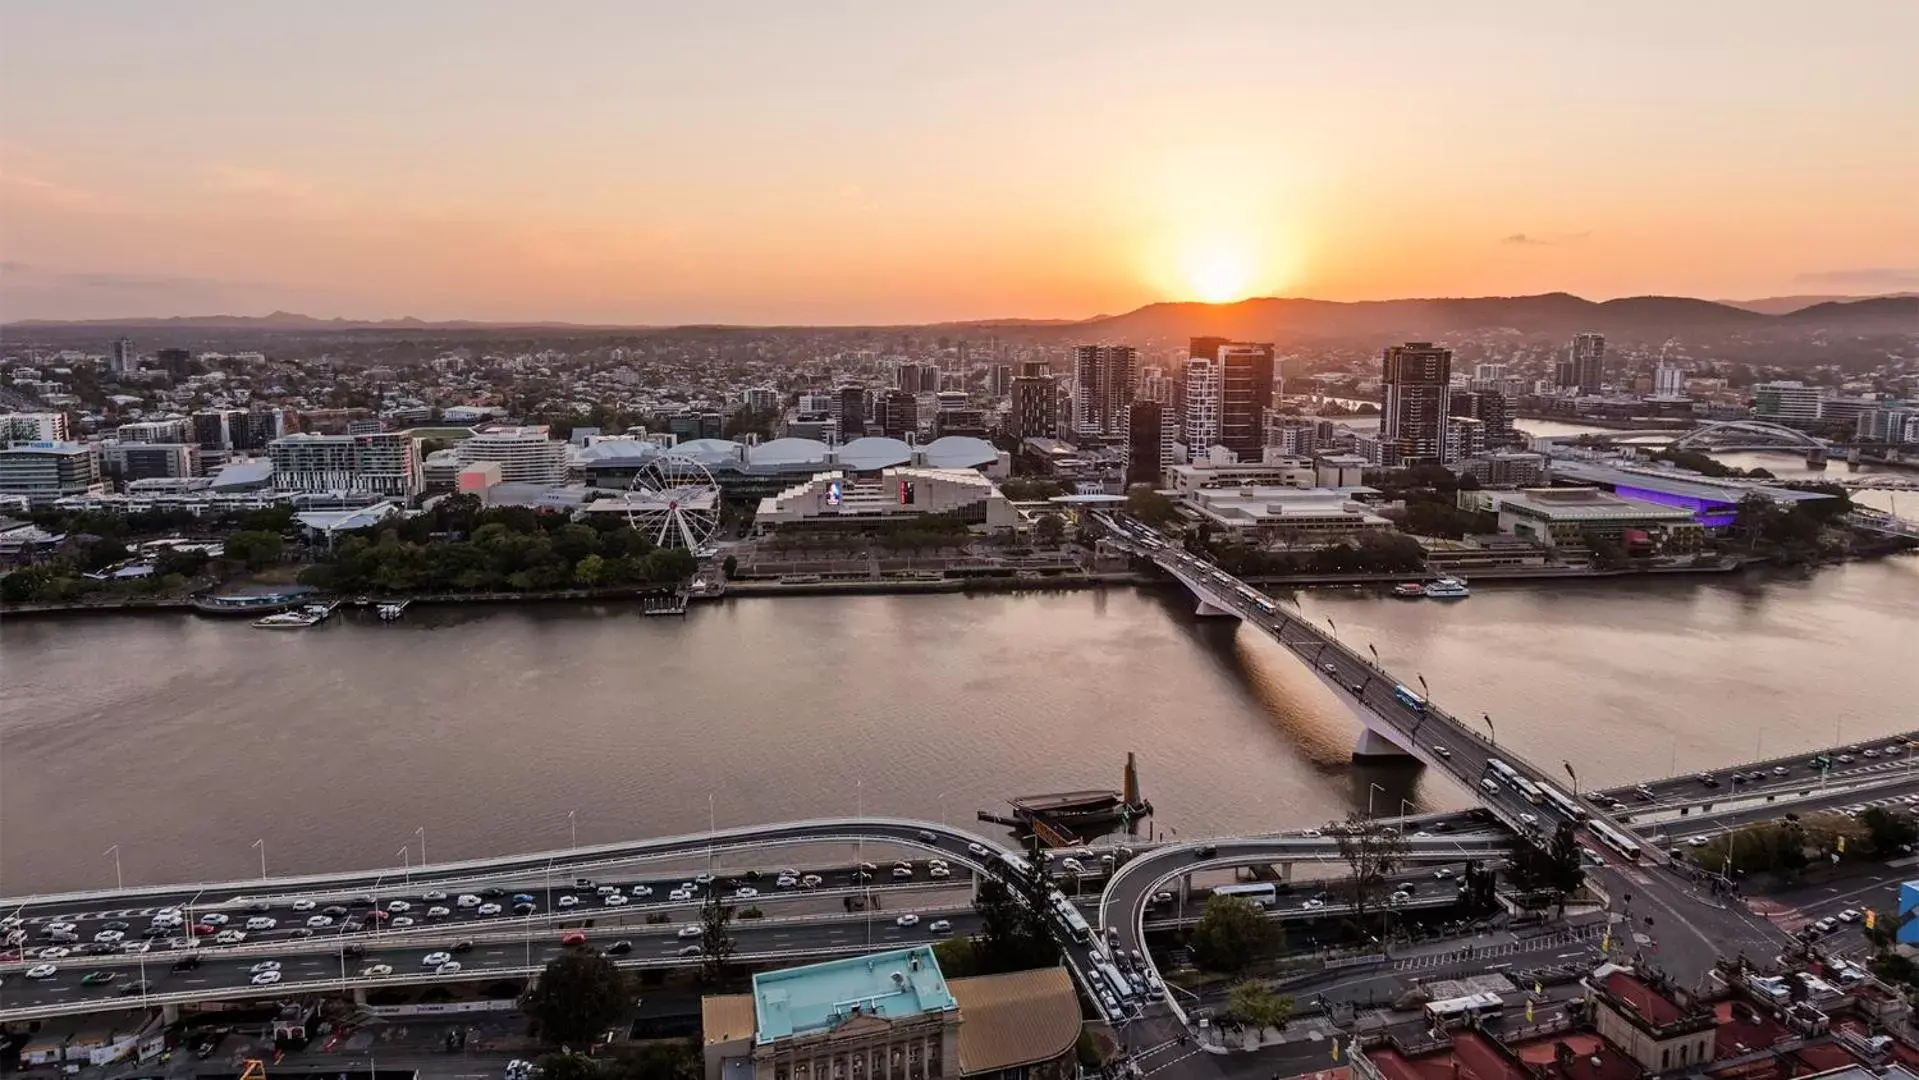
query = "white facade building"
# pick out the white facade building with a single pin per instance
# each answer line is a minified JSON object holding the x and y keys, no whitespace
{"x":387,"y":463}
{"x":849,"y":500}
{"x":33,"y":427}
{"x":526,"y":455}
{"x":1787,"y":402}
{"x":1203,"y":403}
{"x":1668,"y":381}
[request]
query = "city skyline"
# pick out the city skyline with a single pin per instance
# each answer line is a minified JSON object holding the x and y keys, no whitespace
{"x":655,"y":166}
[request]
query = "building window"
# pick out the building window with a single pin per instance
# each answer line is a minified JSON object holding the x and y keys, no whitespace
{"x":1665,"y":1058}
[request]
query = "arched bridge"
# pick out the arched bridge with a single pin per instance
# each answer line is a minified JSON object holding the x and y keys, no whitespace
{"x":1747,"y":434}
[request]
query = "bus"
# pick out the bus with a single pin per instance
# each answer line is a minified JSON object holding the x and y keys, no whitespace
{"x":1501,"y":769}
{"x":1263,"y":894}
{"x":1616,"y":840}
{"x":1409,"y":699}
{"x":1563,"y":802}
{"x":1529,"y":790}
{"x":1121,"y":985}
{"x":1459,"y":1009}
{"x":1075,"y":922}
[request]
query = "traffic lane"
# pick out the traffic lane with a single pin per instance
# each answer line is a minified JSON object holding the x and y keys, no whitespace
{"x":1801,"y":762}
{"x":881,"y":930}
{"x":1712,"y":823}
{"x":416,"y":896}
{"x":518,"y":867}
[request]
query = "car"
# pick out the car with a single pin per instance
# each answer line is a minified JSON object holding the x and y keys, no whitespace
{"x":619,"y":948}
{"x":525,"y":909}
{"x":566,"y":901}
{"x":691,"y":931}
{"x":451,"y":967}
{"x":746,"y":892}
{"x":137,"y":986}
{"x":1849,"y":915}
{"x":680,"y":894}
{"x":435,"y":959}
{"x":353,"y":950}
{"x":1357,"y":688}
{"x":155,"y":932}
{"x":583,"y":883}
{"x":374,"y":971}
{"x":1311,"y":904}
{"x":493,"y":892}
{"x":939,"y":926}
{"x":1329,"y":667}
{"x":96,"y":948}
{"x":363,"y":901}
{"x":135,"y":946}
{"x":433,"y":896}
{"x":691,"y":950}
{"x":402,"y":922}
{"x":229,"y":937}
{"x":169,"y":921}
{"x":1530,"y":819}
{"x":977,"y":849}
{"x":613,"y":900}
{"x":1738,"y":778}
{"x":1825,"y":926}
{"x":399,"y":906}
{"x":300,"y":932}
{"x":908,"y":919}
{"x":116,"y":924}
{"x":463,"y":945}
{"x":265,"y":965}
{"x":214,"y":918}
{"x":319,"y":922}
{"x":901,"y":873}
{"x":1442,"y":874}
{"x":1696,"y":841}
{"x":489,"y":909}
{"x":1844,"y":759}
{"x":1895,"y":748}
{"x":928,"y":836}
{"x":468,"y":900}
{"x":1870,"y":752}
{"x":377,"y":916}
{"x":185,"y":963}
{"x":58,"y":927}
{"x":261,"y":922}
{"x":868,"y":867}
{"x":304,"y":904}
{"x":54,"y":952}
{"x":572,"y":938}
{"x":524,"y":898}
{"x":201,"y":930}
{"x":438,"y":911}
{"x":605,"y":890}
{"x":702,"y":879}
{"x":42,"y":971}
{"x":641,"y":891}
{"x":110,"y":937}
{"x":811,"y":881}
{"x":786,"y":881}
{"x":265,"y":978}
{"x":939,"y":870}
{"x":335,"y":910}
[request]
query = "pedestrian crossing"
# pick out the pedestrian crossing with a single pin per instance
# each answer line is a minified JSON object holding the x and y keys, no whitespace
{"x":1577,"y":935}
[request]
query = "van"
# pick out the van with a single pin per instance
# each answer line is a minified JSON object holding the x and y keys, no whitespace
{"x":1490,"y":785}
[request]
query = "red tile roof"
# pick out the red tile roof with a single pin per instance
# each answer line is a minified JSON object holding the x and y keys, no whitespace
{"x":1654,"y":1007}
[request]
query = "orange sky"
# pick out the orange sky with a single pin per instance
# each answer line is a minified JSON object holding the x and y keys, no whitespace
{"x":851,"y":162}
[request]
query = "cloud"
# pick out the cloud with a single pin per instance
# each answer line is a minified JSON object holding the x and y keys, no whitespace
{"x":12,"y":266}
{"x":1520,"y":239}
{"x":1875,"y":276}
{"x":230,"y":179}
{"x":137,"y":281}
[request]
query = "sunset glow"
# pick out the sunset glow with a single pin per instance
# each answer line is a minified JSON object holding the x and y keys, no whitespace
{"x":918,"y":162}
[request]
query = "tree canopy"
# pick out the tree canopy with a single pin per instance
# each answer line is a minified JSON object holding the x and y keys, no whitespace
{"x":1233,"y":933}
{"x":580,"y":995}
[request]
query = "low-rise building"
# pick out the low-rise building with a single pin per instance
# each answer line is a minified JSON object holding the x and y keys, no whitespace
{"x":841,"y":499}
{"x":1569,"y":517}
{"x":1276,"y":471}
{"x":526,"y":455}
{"x":44,"y":472}
{"x":893,"y":1016}
{"x":386,"y":463}
{"x":1284,"y":516}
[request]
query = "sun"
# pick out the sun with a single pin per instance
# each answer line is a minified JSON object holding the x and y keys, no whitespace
{"x":1216,"y":272}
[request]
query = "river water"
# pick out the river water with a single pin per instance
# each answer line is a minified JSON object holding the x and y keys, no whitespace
{"x":184,"y":740}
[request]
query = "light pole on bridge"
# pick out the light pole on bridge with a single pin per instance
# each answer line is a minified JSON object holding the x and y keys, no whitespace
{"x":1574,"y":775}
{"x":118,"y":882}
{"x":421,"y":833}
{"x":1492,"y":733}
{"x":262,"y":845}
{"x":1370,"y":647}
{"x":1372,"y":788}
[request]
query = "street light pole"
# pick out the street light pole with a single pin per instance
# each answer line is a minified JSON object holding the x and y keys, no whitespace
{"x":1371,"y":789}
{"x":573,"y":829}
{"x":712,"y":829}
{"x":1370,"y":647}
{"x":262,"y":845}
{"x":1424,"y":690}
{"x":1404,"y":806}
{"x":421,"y":833}
{"x":118,"y":882}
{"x":1491,"y":732}
{"x":942,"y":801}
{"x":1574,"y":775}
{"x":406,"y":862}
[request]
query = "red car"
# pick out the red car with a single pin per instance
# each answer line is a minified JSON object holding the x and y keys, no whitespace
{"x":204,"y":930}
{"x":573,"y":938}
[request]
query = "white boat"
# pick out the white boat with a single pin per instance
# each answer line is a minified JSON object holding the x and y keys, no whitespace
{"x":287,"y":620}
{"x":1448,"y":588}
{"x":390,"y":612}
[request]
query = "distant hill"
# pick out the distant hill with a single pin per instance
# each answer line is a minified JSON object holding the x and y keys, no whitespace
{"x":1786,"y":305}
{"x":1261,"y":319}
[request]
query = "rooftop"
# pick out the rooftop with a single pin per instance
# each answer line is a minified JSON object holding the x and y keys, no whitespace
{"x":1587,"y":504}
{"x":1016,"y":1018}
{"x":806,"y":1000}
{"x":1675,"y":482}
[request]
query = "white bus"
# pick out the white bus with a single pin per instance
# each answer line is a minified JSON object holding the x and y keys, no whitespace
{"x":1502,"y":770}
{"x":1563,"y":802}
{"x":1528,"y":789}
{"x":1263,"y":893}
{"x":1459,"y":1009}
{"x":1616,"y":840}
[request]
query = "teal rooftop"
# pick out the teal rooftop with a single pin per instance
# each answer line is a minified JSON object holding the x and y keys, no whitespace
{"x":819,"y":997}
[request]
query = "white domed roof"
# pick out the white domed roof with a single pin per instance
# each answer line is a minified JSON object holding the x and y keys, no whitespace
{"x":789,"y":452}
{"x":875,"y":452}
{"x":960,"y":452}
{"x":710,"y":451}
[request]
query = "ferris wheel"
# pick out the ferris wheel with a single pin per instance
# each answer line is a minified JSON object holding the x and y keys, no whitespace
{"x":674,"y":502}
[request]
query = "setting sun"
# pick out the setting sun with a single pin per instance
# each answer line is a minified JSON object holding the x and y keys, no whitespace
{"x":1216,"y":273}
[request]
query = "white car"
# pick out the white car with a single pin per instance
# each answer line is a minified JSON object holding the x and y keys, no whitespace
{"x":319,"y":922}
{"x":110,"y":937}
{"x":1442,"y":874}
{"x":691,"y":950}
{"x":811,"y":881}
{"x":54,"y":952}
{"x":691,"y":931}
{"x":261,"y":922}
{"x":374,"y":971}
{"x":489,"y":909}
{"x":402,"y":922}
{"x":229,"y":937}
{"x":59,"y":927}
{"x":1849,"y":915}
{"x":433,"y":896}
{"x":607,"y":890}
{"x":901,"y":873}
{"x":168,"y":922}
{"x":304,"y":905}
{"x":680,"y":894}
{"x":214,"y":918}
{"x":265,"y":965}
{"x":1696,"y":841}
{"x":702,"y":879}
{"x":977,"y":849}
{"x":435,"y":959}
{"x":468,"y":900}
{"x":266,"y":978}
{"x":1530,"y":819}
{"x":908,"y":919}
{"x":398,"y":906}
{"x":939,"y":926}
{"x":939,"y":872}
{"x":1312,"y":905}
{"x":746,"y":892}
{"x":567,"y":901}
{"x":42,"y":971}
{"x":642,"y":891}
{"x":451,"y":967}
{"x":613,"y":900}
{"x":787,"y":881}
{"x":437,"y":911}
